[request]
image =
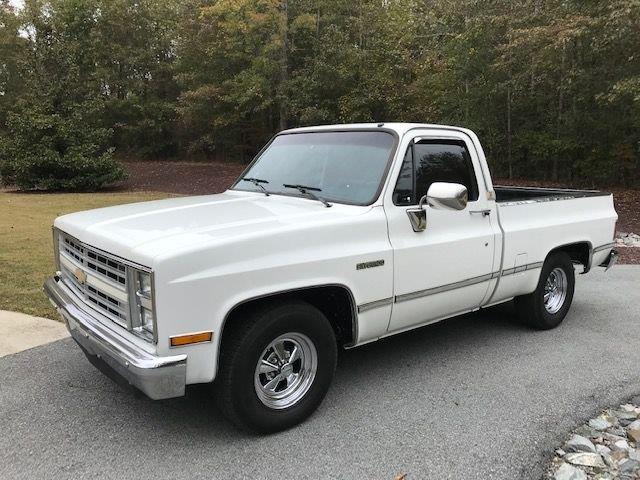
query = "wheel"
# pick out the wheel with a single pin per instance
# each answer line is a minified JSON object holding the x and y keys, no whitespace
{"x":547,"y":306}
{"x":276,"y":366}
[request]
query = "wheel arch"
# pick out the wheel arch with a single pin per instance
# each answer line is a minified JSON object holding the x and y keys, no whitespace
{"x":580,"y":252}
{"x":335,"y":301}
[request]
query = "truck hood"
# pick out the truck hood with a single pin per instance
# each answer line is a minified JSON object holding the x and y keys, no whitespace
{"x":141,"y":232}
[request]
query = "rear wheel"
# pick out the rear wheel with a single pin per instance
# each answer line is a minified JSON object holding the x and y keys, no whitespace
{"x":276,"y":366}
{"x":547,"y":306}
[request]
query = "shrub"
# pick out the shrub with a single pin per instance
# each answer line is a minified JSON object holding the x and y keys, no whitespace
{"x":57,"y":149}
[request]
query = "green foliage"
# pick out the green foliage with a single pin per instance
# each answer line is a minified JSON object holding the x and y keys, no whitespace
{"x":54,"y":136}
{"x":552,"y":87}
{"x":57,"y":150}
{"x":12,"y":47}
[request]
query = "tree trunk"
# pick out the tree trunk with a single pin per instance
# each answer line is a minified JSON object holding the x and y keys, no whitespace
{"x":284,"y":63}
{"x":466,"y":103}
{"x":554,"y":171}
{"x":509,"y":154}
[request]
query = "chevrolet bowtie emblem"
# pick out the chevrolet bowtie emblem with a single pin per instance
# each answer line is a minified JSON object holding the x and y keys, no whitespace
{"x":80,"y":275}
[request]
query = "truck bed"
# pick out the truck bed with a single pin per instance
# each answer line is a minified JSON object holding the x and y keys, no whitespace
{"x":535,"y":221}
{"x":507,"y":194}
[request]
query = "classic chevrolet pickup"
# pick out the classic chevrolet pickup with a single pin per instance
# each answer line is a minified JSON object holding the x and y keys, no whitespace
{"x":334,"y":236}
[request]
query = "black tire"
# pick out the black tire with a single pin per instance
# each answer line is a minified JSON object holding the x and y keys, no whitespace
{"x":243,"y":344}
{"x":531,"y":308}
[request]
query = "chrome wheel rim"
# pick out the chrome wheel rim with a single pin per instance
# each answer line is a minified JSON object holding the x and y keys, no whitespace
{"x":286,"y":370}
{"x":555,"y":290}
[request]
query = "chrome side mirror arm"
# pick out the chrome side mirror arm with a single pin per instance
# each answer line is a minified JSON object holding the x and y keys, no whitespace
{"x":418,"y":216}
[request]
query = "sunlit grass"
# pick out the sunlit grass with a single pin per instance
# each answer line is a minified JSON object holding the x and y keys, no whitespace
{"x":26,"y":254}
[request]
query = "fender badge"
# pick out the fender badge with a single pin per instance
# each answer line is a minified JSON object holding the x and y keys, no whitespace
{"x":80,"y":275}
{"x":365,"y":265}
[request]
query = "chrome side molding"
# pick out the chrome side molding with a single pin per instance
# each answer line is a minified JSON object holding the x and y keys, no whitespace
{"x":375,"y":304}
{"x":445,"y":288}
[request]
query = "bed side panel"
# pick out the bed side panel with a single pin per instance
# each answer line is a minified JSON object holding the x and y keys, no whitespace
{"x":533,"y":229}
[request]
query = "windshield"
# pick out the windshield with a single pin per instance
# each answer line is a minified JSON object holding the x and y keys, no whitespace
{"x":343,"y":167}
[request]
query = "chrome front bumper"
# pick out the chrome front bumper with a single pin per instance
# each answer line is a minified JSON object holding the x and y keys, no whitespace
{"x":157,"y":377}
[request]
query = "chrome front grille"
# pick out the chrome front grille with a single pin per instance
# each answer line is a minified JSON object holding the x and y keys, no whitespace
{"x":94,"y":260}
{"x":100,"y":280}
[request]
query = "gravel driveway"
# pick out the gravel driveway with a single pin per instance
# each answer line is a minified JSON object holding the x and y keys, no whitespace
{"x":475,"y":397}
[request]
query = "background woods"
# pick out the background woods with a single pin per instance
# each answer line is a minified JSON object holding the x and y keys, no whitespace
{"x":551,"y":86}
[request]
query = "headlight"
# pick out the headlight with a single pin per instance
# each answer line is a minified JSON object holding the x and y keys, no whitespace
{"x":144,"y":282}
{"x":143,"y":316}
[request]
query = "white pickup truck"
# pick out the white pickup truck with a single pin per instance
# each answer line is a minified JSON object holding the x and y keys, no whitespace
{"x":334,"y":236}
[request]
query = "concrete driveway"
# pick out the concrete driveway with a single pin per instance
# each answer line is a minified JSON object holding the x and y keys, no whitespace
{"x":20,"y":332}
{"x":475,"y":397}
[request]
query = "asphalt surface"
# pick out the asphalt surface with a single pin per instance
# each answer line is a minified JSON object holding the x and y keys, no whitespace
{"x":476,"y":397}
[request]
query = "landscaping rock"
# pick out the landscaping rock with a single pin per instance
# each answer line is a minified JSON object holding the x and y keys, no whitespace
{"x":628,"y":407}
{"x":634,"y":434}
{"x":605,"y":453}
{"x":628,"y":239}
{"x":609,"y":438}
{"x":578,"y":443}
{"x":602,"y":422}
{"x":634,"y":425}
{"x":619,"y":455}
{"x":602,"y":449}
{"x":619,"y":431}
{"x":634,"y":454}
{"x":609,"y":460}
{"x":585,"y":459}
{"x":569,"y":472}
{"x":587,"y":431}
{"x":620,"y":445}
{"x":628,"y":466}
{"x":624,"y":417}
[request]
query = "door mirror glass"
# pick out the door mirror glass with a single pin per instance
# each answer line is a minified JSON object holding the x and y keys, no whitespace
{"x":447,"y":196}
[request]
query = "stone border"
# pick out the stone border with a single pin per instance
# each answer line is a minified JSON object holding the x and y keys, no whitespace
{"x":605,"y":448}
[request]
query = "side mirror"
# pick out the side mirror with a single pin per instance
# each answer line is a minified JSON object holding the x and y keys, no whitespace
{"x":447,"y":196}
{"x":441,"y":196}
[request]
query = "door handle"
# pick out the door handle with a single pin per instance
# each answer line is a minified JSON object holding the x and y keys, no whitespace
{"x":484,"y":213}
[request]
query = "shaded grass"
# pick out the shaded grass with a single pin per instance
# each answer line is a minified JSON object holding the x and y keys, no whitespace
{"x":26,"y":251}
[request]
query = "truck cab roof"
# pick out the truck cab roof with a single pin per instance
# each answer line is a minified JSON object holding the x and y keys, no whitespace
{"x":399,"y":128}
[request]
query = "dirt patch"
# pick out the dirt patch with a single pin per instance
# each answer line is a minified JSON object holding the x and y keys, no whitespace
{"x":187,"y":178}
{"x":629,"y":255}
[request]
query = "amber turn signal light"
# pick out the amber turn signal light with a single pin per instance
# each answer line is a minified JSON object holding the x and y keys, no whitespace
{"x":190,"y":339}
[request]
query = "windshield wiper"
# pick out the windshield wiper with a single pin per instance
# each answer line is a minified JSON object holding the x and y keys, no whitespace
{"x":308,"y":191}
{"x":258,"y":183}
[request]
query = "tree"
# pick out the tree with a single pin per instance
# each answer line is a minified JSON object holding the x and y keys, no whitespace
{"x":55,"y":139}
{"x":134,"y":44}
{"x":552,"y":87}
{"x":12,"y":48}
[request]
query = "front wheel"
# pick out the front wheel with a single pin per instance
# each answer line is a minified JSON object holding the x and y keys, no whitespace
{"x":547,"y":306}
{"x":276,"y":366}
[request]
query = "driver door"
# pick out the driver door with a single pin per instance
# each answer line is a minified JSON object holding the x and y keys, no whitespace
{"x":447,"y":268}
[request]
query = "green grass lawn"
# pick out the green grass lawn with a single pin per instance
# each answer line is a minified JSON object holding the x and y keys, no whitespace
{"x":26,"y":251}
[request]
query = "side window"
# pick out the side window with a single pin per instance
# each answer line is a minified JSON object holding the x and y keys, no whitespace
{"x":432,"y":161}
{"x":404,"y":192}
